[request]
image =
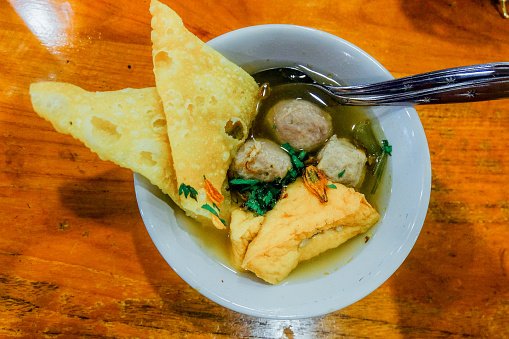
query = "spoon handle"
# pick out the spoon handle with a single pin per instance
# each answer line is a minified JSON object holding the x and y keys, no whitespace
{"x":429,"y":80}
{"x":475,"y":90}
{"x":461,"y":84}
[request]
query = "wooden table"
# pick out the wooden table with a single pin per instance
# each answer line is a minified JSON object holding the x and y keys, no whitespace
{"x":76,"y":259}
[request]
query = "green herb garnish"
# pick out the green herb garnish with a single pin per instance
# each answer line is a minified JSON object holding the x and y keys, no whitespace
{"x":213,"y":211}
{"x":331,"y":186}
{"x":297,"y":164}
{"x":386,"y":148}
{"x":264,"y":195}
{"x":340,"y":174}
{"x":244,"y":184}
{"x":188,"y":191}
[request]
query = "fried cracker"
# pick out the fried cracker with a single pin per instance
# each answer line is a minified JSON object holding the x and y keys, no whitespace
{"x":209,"y":104}
{"x":127,"y":127}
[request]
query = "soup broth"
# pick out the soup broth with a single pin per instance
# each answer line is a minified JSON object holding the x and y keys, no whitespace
{"x":344,"y":119}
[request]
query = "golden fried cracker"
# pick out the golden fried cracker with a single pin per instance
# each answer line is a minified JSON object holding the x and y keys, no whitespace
{"x":209,"y":104}
{"x":127,"y":127}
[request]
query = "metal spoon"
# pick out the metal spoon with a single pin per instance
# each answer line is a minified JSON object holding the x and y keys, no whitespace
{"x":453,"y":85}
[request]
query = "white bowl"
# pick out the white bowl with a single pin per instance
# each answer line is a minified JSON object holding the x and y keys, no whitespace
{"x":363,"y":268}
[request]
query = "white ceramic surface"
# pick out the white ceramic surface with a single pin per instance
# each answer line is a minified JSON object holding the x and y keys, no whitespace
{"x":259,"y":47}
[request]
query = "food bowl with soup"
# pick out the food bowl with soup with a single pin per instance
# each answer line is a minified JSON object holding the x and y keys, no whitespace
{"x":340,"y":276}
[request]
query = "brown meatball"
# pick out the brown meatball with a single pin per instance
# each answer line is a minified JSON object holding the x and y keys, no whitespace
{"x":261,"y":159}
{"x":302,"y":124}
{"x":342,"y":162}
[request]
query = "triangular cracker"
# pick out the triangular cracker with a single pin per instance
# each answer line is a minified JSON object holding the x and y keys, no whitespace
{"x":127,"y":127}
{"x":209,"y":104}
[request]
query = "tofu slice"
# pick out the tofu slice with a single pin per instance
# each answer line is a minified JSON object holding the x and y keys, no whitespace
{"x":244,"y":227}
{"x":300,"y":227}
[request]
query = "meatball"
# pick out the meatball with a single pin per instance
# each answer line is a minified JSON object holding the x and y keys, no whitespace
{"x":261,"y":159}
{"x":342,"y":162}
{"x":302,"y":124}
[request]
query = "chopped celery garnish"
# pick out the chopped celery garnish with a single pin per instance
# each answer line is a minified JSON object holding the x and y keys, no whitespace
{"x":379,"y":170}
{"x":363,"y":134}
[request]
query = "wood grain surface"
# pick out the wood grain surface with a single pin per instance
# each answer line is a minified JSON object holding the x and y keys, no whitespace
{"x":76,"y":259}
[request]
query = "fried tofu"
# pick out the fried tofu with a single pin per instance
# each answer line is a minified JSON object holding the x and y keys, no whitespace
{"x":301,"y":227}
{"x":244,"y":227}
